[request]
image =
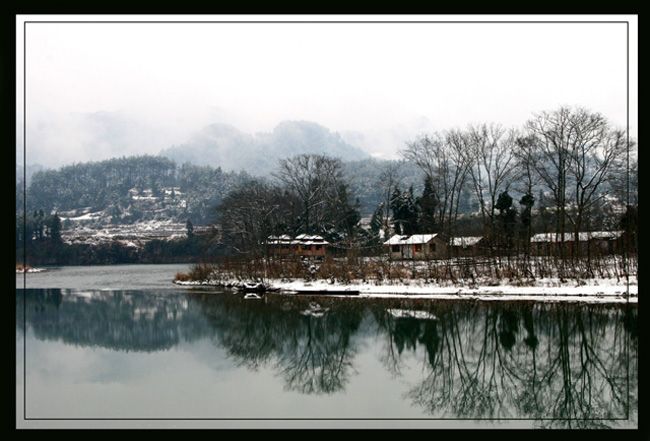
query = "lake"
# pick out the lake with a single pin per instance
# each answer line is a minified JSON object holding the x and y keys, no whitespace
{"x":122,"y":346}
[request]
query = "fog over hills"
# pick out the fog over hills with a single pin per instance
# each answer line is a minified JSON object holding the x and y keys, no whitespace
{"x":225,"y":146}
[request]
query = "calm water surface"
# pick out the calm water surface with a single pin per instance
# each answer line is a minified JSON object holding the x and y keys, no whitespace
{"x":123,"y":345}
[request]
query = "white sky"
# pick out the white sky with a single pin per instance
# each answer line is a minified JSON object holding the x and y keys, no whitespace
{"x":100,"y":89}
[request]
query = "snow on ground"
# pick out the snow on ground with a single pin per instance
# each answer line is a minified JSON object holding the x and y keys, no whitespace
{"x":593,"y":291}
{"x":130,"y":235}
{"x":605,"y":291}
{"x":21,"y":270}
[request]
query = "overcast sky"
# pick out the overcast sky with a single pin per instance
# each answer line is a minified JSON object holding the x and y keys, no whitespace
{"x":100,"y":89}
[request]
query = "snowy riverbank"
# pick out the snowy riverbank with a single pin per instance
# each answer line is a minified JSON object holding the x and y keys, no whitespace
{"x":588,"y":291}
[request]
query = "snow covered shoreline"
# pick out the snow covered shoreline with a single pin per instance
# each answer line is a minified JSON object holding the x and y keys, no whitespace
{"x":589,"y":291}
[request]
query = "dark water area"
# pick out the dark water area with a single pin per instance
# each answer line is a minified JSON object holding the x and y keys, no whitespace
{"x":177,"y":357}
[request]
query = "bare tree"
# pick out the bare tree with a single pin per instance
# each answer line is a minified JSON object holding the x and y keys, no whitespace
{"x":492,"y":166}
{"x":573,"y":151}
{"x":442,"y":157}
{"x":526,"y":181}
{"x":594,"y":157}
{"x":549,"y":144}
{"x":251,"y":213}
{"x":316,"y":181}
{"x":456,"y":168}
{"x":389,"y":179}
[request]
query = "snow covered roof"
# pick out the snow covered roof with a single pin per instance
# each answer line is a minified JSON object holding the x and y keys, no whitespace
{"x":302,"y":239}
{"x":410,"y":240}
{"x":570,"y":236}
{"x":308,"y":237}
{"x":284,"y":237}
{"x":465,"y":241}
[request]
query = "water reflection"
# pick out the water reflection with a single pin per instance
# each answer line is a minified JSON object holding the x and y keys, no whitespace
{"x":307,"y":342}
{"x":566,"y":365}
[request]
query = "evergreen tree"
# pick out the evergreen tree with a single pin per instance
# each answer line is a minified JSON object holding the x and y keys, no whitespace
{"x":54,"y":229}
{"x":349,"y":216}
{"x":396,"y":208}
{"x":377,"y":222}
{"x":405,"y":214}
{"x":39,"y":224}
{"x":527,"y":201}
{"x":427,"y":205}
{"x":507,"y":219}
{"x":630,"y":224}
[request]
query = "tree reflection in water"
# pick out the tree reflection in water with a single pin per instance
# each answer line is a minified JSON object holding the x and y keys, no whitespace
{"x":569,"y":369}
{"x":565,"y":365}
{"x":307,"y":341}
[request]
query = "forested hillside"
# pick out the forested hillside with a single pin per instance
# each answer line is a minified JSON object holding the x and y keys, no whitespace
{"x":118,"y":187}
{"x":128,"y":208}
{"x":127,"y":190}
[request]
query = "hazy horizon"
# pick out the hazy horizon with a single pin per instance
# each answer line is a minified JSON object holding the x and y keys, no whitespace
{"x":102,"y":86}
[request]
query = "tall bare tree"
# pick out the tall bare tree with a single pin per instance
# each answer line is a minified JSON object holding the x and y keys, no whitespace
{"x":316,"y":181}
{"x":492,"y":166}
{"x":252,"y":212}
{"x":389,"y":179}
{"x":442,"y":157}
{"x":573,"y":151}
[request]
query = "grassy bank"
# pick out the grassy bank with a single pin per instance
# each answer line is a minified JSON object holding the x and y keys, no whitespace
{"x":511,"y":271}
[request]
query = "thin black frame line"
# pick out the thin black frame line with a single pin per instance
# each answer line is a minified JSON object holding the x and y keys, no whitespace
{"x":323,"y":22}
{"x":24,"y":220}
{"x":625,"y":255}
{"x":626,"y":22}
{"x":324,"y":419}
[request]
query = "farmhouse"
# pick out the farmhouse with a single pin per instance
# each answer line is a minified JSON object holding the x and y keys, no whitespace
{"x":303,"y":245}
{"x":592,"y":241}
{"x":417,"y":246}
{"x":466,"y":246}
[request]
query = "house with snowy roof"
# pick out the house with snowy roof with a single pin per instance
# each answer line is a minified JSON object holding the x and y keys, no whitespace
{"x":417,"y":246}
{"x":466,"y":246}
{"x":593,"y":241}
{"x":304,"y":245}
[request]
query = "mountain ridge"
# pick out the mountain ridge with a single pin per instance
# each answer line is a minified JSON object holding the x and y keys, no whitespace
{"x":226,"y":146}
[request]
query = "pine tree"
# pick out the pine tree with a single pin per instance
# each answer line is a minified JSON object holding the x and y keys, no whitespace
{"x":405,"y":213}
{"x":377,"y":222}
{"x":54,"y":228}
{"x":527,"y":201}
{"x":507,"y":219}
{"x":427,"y":206}
{"x":190,"y":228}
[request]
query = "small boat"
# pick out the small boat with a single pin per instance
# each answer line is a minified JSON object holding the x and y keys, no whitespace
{"x":251,"y":287}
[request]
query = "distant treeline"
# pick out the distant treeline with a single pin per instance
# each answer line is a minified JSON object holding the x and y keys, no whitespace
{"x":564,"y":171}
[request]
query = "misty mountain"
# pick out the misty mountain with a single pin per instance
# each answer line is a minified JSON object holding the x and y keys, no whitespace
{"x":225,"y":146}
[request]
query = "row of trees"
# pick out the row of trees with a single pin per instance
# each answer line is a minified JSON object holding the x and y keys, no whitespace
{"x":38,"y":228}
{"x":408,"y":215}
{"x":306,"y":193}
{"x":571,"y":157}
{"x":554,"y":174}
{"x":560,"y":172}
